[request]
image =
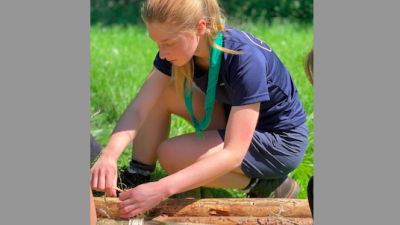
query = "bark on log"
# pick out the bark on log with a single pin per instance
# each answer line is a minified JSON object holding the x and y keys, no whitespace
{"x":104,"y":221}
{"x":233,"y":220}
{"x":262,"y":207}
{"x":147,"y":221}
{"x":214,"y":220}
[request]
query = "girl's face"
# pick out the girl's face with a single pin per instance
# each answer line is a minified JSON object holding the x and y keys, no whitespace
{"x":176,"y":47}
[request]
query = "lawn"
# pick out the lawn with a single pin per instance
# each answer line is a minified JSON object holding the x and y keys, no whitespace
{"x":122,"y":57}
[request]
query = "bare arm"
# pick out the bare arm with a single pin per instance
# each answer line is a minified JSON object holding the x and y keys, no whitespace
{"x":103,"y":175}
{"x":136,"y":113}
{"x":239,"y":132}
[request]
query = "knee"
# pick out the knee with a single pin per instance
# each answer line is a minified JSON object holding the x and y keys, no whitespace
{"x":167,"y":157}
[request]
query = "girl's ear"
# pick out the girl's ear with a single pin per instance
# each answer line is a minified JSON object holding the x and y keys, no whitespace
{"x":201,"y":27}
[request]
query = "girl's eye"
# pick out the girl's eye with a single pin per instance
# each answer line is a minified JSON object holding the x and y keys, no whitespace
{"x":169,"y":44}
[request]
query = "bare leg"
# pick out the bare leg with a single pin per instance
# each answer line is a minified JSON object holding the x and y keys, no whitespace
{"x":177,"y":153}
{"x":157,"y":125}
{"x":180,"y":152}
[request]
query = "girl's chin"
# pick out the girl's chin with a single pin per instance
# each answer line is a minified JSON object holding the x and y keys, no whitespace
{"x":179,"y":62}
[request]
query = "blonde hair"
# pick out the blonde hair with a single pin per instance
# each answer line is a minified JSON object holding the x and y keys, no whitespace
{"x":309,"y":66}
{"x":184,"y":16}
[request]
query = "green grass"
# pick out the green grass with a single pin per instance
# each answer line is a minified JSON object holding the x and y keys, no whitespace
{"x":122,"y":57}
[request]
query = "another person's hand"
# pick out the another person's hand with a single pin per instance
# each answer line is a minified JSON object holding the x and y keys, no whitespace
{"x":140,"y":199}
{"x":104,"y":175}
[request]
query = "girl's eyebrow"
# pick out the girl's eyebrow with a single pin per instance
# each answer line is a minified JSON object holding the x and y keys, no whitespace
{"x":168,"y":39}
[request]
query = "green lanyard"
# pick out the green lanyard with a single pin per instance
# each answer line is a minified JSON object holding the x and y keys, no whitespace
{"x":213,"y":73}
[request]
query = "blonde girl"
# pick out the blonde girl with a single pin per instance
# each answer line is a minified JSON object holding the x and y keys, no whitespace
{"x":250,"y":124}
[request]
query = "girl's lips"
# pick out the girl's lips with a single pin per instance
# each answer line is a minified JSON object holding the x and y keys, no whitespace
{"x":172,"y":60}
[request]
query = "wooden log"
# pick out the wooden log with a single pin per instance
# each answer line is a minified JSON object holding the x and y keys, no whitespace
{"x":105,"y":221}
{"x":233,"y":220}
{"x":261,"y":207}
{"x":233,"y":207}
{"x":147,"y":221}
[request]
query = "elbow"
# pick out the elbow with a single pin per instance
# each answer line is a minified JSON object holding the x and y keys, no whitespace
{"x":238,"y":161}
{"x":236,"y":158}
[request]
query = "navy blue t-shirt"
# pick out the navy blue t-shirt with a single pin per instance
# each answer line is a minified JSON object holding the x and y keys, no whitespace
{"x":256,"y":75}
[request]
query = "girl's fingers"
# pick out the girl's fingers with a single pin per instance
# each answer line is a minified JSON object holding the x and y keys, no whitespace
{"x":93,"y":180}
{"x":110,"y":184}
{"x":115,"y":185}
{"x":124,"y":196}
{"x":101,"y":180}
{"x":126,"y":203}
{"x":127,"y":207}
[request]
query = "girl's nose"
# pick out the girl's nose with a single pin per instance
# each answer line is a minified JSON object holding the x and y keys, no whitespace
{"x":163,"y":54}
{"x":162,"y":51}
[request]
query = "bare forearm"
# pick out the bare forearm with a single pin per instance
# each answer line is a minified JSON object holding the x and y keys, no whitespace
{"x":136,"y":113}
{"x":124,"y":132}
{"x":239,"y":132}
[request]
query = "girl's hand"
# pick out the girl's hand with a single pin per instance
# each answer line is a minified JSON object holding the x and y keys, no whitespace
{"x":104,"y":174}
{"x":140,"y":199}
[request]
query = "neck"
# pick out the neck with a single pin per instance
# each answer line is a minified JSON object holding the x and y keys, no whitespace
{"x":202,"y":53}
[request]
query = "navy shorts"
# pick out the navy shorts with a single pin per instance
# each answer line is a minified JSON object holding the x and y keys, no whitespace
{"x":274,"y":155}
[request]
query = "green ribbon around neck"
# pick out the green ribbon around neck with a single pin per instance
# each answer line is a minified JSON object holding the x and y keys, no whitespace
{"x":213,"y":73}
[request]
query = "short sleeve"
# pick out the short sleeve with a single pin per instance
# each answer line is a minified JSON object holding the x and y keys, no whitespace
{"x":162,"y":65}
{"x":248,"y":76}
